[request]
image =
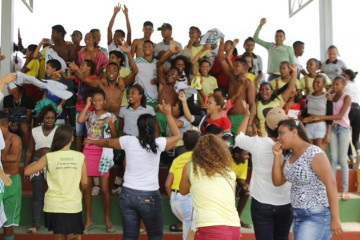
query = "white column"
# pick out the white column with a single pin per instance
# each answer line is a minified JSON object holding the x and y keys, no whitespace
{"x":326,"y":27}
{"x":7,"y":25}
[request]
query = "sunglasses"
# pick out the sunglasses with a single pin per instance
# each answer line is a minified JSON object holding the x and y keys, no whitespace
{"x":75,"y":35}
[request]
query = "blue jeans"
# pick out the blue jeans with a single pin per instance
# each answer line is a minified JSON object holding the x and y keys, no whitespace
{"x":182,"y":207}
{"x":270,"y":221}
{"x":79,"y":127}
{"x":339,"y":143}
{"x":136,"y":205}
{"x":312,"y":223}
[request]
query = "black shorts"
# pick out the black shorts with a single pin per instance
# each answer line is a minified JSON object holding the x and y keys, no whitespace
{"x":64,"y":223}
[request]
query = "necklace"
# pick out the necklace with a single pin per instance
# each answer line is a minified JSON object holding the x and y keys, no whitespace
{"x":18,"y":104}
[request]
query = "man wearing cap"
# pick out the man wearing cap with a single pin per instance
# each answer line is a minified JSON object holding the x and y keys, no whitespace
{"x":270,"y":206}
{"x":137,"y":45}
{"x":163,"y":46}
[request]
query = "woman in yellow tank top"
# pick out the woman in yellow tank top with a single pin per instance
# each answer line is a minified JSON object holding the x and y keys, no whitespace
{"x":211,"y":183}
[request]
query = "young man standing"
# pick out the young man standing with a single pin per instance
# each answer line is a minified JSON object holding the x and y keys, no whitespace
{"x":137,"y":45}
{"x":162,"y":47}
{"x":10,"y":159}
{"x":114,"y":43}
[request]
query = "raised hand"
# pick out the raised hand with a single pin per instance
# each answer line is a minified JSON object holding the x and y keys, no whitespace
{"x":88,"y":101}
{"x":125,"y":48}
{"x":262,"y":22}
{"x":125,"y":10}
{"x":182,"y":96}
{"x":117,"y":8}
{"x":236,"y":41}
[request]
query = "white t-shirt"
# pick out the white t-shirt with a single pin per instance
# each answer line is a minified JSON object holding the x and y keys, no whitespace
{"x":261,"y":185}
{"x":142,"y":167}
{"x":147,"y":71}
{"x":352,"y":89}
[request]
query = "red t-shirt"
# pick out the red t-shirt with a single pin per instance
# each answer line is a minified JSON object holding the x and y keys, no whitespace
{"x":222,"y":122}
{"x":219,"y":74}
{"x":81,"y":99}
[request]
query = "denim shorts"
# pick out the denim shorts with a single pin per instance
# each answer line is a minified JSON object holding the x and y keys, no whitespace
{"x":312,"y":223}
{"x":316,"y":130}
{"x":79,"y":127}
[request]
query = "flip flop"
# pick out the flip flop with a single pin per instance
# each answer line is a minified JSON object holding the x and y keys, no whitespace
{"x":345,"y":196}
{"x":175,"y":228}
{"x":110,"y":229}
{"x":87,"y":230}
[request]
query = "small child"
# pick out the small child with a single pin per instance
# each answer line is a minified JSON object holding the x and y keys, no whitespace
{"x":298,"y":52}
{"x":240,"y":167}
{"x":96,"y":122}
{"x":52,"y":68}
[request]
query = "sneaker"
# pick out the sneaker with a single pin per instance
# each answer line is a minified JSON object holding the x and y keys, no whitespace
{"x":116,"y":190}
{"x":95,"y":191}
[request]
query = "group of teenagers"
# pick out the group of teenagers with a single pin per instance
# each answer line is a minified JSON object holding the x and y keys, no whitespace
{"x":136,"y":99}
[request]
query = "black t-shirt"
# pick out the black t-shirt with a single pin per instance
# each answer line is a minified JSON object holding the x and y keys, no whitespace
{"x":18,"y":111}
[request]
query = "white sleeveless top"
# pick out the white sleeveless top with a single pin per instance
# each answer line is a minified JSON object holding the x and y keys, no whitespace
{"x":42,"y":141}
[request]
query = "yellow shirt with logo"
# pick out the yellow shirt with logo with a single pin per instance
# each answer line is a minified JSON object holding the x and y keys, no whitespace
{"x":278,"y":83}
{"x":64,"y":169}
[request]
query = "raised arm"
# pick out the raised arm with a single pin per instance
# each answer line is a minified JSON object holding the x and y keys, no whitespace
{"x":256,"y":35}
{"x":82,"y":77}
{"x":83,"y":114}
{"x":36,"y":53}
{"x":196,"y":58}
{"x":117,"y":9}
{"x":277,"y":169}
{"x":229,"y":54}
{"x":174,"y":130}
{"x":221,"y":55}
{"x":128,"y":26}
{"x":321,"y":166}
{"x":186,"y":110}
{"x":243,"y":125}
{"x":134,"y":69}
{"x":291,"y":85}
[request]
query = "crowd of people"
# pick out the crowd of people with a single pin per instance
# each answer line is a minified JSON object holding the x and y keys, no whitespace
{"x":207,"y":107}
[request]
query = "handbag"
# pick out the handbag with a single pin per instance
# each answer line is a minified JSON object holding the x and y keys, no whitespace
{"x":191,"y":233}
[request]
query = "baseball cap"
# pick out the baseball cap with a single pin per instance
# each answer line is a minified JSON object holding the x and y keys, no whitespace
{"x":165,"y":26}
{"x":273,"y":116}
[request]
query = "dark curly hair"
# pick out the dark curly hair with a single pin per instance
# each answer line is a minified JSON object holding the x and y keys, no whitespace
{"x":146,"y":126}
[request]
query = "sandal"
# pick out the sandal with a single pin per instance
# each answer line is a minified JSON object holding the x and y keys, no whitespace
{"x":345,"y":196}
{"x":175,"y":228}
{"x":110,"y":229}
{"x":33,"y":229}
{"x":87,"y":230}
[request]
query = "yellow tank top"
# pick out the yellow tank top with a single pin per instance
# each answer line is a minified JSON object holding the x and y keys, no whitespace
{"x":64,"y":168}
{"x":213,"y":199}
